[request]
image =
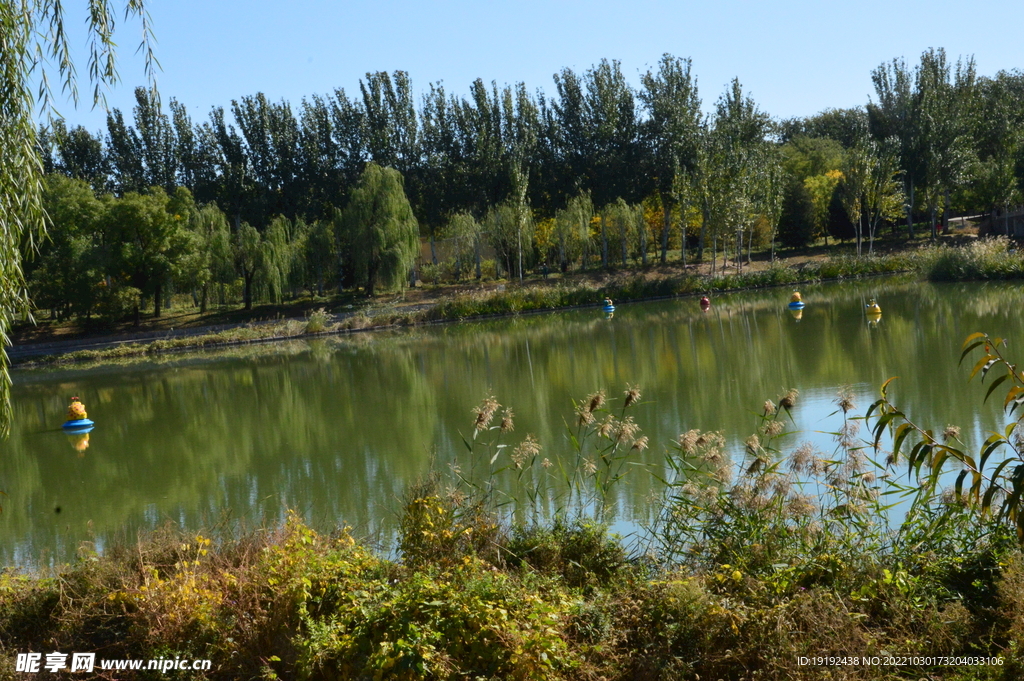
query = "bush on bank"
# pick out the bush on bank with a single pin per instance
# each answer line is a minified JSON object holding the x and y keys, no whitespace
{"x":982,"y":259}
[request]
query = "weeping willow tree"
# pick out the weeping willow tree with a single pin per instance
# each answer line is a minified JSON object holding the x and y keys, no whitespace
{"x":276,"y":257}
{"x":465,"y":231}
{"x":572,"y":231}
{"x":381,"y":229}
{"x":31,"y":34}
{"x":265,"y":259}
{"x":629,"y":230}
{"x":208,"y":261}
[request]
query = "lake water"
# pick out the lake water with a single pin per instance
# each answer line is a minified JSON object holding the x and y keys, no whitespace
{"x":337,"y":428}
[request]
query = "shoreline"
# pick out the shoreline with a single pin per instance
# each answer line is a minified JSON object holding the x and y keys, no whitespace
{"x":991,"y":260}
{"x":80,"y":351}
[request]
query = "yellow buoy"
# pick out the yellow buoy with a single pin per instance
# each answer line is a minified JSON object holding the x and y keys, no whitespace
{"x":79,"y":442}
{"x":795,"y":298}
{"x":76,"y":410}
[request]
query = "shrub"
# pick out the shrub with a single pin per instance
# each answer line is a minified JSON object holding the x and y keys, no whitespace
{"x":429,"y":273}
{"x":467,"y":622}
{"x":117,"y":302}
{"x":317,"y":321}
{"x":442,"y":529}
{"x":581,"y":551}
{"x":981,"y":259}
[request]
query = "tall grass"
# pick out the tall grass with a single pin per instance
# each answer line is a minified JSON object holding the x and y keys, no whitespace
{"x":982,"y":259}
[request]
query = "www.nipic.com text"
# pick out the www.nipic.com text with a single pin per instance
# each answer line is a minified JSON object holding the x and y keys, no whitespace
{"x":86,"y":662}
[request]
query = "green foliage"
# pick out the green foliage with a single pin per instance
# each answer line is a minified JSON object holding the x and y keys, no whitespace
{"x":466,"y":234}
{"x":66,"y":274}
{"x":443,"y":529}
{"x":991,"y":484}
{"x":317,"y":321}
{"x":982,"y":259}
{"x":382,"y":230}
{"x":819,"y":190}
{"x":467,"y":621}
{"x":277,"y":257}
{"x":145,"y":240}
{"x":509,"y":229}
{"x":808,"y":187}
{"x":117,"y":303}
{"x":581,"y":551}
{"x":627,"y":230}
{"x":321,"y":255}
{"x":207,"y":260}
{"x":245,"y":248}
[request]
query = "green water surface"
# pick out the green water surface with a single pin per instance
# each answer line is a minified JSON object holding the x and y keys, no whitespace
{"x":337,"y":428}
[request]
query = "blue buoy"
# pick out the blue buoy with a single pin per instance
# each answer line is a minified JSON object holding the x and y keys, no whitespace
{"x":796,"y":305}
{"x":609,"y":308}
{"x":77,"y":426}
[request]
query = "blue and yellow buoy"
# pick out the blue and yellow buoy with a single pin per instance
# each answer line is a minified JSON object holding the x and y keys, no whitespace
{"x":77,"y":419}
{"x":608,"y":305}
{"x":795,"y":301}
{"x":873,"y":312}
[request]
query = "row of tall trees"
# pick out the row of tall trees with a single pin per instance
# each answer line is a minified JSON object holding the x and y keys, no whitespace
{"x":951,"y":138}
{"x":956,"y":139}
{"x":456,"y":154}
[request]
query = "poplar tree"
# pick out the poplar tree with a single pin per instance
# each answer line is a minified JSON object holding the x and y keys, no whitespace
{"x":672,"y":129}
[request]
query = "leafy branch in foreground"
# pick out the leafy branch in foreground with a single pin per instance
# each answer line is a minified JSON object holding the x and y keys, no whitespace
{"x":30,"y":34}
{"x":993,"y":484}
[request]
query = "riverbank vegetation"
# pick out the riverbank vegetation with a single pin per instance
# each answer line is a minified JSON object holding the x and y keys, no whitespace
{"x":988,"y":259}
{"x":556,"y":294}
{"x":750,"y":562}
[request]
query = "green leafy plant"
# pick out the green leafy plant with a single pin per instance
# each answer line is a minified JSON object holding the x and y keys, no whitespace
{"x":317,"y":321}
{"x":993,"y":484}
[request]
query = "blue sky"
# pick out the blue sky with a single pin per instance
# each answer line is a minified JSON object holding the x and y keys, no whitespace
{"x":795,"y":57}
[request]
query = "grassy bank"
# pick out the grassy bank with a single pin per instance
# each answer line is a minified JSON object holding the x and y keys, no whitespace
{"x":317,"y":323}
{"x":513,"y":300}
{"x":643,"y":287}
{"x":748,"y":564}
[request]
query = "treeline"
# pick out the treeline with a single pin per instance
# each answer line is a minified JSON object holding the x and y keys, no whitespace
{"x":600,"y":172}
